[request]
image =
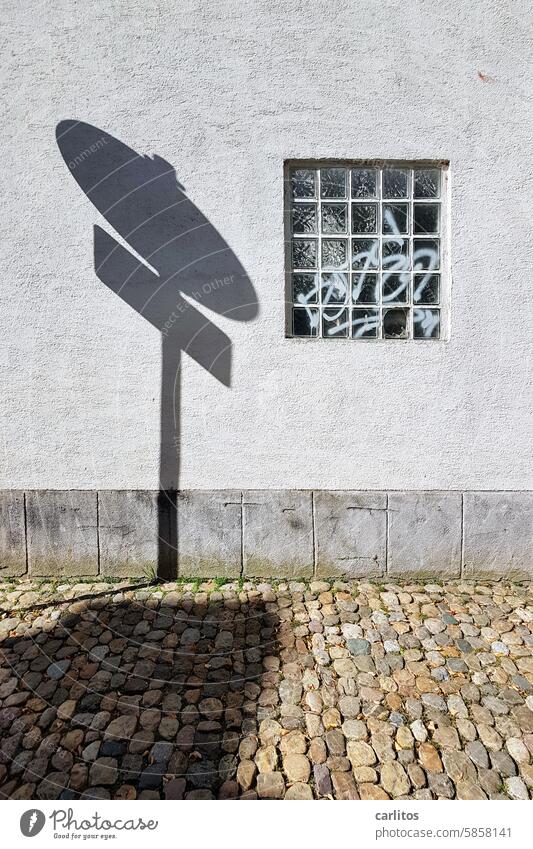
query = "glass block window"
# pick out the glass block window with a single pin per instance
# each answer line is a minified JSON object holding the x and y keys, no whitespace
{"x":365,"y":257}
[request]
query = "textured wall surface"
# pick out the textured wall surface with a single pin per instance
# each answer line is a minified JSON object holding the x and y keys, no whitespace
{"x":225,"y":92}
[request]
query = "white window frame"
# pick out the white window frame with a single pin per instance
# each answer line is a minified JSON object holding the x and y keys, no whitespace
{"x":443,"y":236}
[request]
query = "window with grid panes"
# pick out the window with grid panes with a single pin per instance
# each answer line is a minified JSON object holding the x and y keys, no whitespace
{"x":365,"y":258}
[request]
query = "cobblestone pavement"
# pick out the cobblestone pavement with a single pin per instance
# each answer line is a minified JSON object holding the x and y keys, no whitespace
{"x":295,"y":691}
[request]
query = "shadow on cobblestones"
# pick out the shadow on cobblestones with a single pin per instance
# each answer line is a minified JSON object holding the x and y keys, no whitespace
{"x":136,"y":699}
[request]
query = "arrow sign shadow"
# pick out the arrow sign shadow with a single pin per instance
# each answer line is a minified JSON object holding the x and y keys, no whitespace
{"x":164,"y":248}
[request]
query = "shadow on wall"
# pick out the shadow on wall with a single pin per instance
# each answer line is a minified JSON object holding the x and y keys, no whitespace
{"x":177,"y":252}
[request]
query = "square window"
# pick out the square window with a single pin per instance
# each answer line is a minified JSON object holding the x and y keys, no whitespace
{"x":364,"y":250}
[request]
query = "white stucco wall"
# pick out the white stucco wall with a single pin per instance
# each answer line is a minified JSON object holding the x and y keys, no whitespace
{"x":225,"y":91}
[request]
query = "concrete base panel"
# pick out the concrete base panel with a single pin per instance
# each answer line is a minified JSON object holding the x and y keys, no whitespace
{"x":498,"y":534}
{"x":424,"y":534}
{"x":62,"y":536}
{"x":278,"y":534}
{"x":209,"y":534}
{"x":12,"y":534}
{"x":129,"y":532}
{"x":350,"y":534}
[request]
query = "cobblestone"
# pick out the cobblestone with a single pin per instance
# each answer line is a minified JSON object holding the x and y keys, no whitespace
{"x":228,"y":690}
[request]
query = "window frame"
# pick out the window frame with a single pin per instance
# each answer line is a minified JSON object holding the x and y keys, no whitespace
{"x":443,"y":166}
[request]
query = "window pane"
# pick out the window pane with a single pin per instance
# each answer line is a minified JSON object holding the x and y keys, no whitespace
{"x":426,"y":289}
{"x":364,"y":217}
{"x":304,"y":288}
{"x":427,"y":183}
{"x":396,"y":324}
{"x":426,"y":324}
{"x":395,"y":288}
{"x":334,"y":322}
{"x":305,"y":321}
{"x":426,"y":254}
{"x":333,"y":182}
{"x":304,"y":253}
{"x":334,"y":288}
{"x":426,"y":218}
{"x":365,"y":253}
{"x":364,"y":183}
{"x":304,"y":218}
{"x":334,"y":218}
{"x":395,"y":183}
{"x":395,"y":254}
{"x":365,"y":288}
{"x":395,"y":218}
{"x":303,"y":183}
{"x":365,"y":323}
{"x":334,"y":253}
